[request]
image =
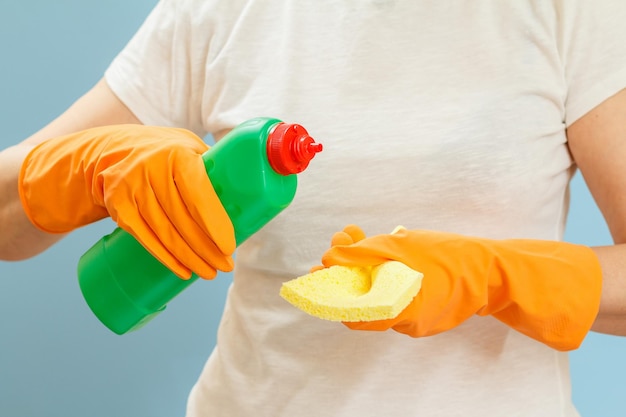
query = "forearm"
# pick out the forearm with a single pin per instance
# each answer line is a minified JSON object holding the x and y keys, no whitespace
{"x":19,"y":238}
{"x":612,"y":315}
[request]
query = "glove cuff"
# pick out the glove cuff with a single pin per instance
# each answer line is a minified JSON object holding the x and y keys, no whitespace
{"x":54,"y":198}
{"x":552,"y":294}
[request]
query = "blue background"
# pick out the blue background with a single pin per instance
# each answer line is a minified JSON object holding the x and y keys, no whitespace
{"x":56,"y":359}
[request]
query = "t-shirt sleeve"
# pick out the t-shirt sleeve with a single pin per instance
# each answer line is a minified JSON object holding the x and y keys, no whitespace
{"x":593,"y":50}
{"x":159,"y":74}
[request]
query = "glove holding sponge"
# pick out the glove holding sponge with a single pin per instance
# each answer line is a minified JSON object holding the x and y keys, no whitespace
{"x":547,"y":290}
{"x":354,"y":293}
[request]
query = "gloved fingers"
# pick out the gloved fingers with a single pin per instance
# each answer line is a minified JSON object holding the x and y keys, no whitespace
{"x":170,"y":221}
{"x":349,"y":235}
{"x":352,"y":247}
{"x":150,"y":225}
{"x":403,"y":245}
{"x":203,"y":205}
{"x":340,"y":239}
{"x":150,"y":241}
{"x":367,"y":252}
{"x":355,"y":232}
{"x":171,"y":207}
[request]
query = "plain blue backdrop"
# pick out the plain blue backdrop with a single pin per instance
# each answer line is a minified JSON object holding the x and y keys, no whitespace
{"x":56,"y":359}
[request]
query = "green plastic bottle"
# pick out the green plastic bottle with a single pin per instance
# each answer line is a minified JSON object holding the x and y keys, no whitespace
{"x":252,"y":170}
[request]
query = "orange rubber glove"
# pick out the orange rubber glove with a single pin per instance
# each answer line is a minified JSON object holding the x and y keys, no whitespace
{"x":150,"y":180}
{"x":549,"y":291}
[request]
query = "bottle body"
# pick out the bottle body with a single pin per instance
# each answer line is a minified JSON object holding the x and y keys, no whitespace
{"x":251,"y":192}
{"x":125,"y":286}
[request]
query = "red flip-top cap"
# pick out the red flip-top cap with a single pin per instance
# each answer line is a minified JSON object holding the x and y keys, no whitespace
{"x":290,"y":148}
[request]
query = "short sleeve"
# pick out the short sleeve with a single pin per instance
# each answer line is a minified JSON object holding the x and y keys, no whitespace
{"x":159,"y":75}
{"x":593,"y":50}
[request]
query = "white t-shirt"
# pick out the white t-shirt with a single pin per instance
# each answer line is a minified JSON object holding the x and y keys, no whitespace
{"x":445,"y":115}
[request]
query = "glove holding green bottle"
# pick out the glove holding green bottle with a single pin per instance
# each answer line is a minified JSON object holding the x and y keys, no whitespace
{"x":134,"y":174}
{"x":182,"y":207}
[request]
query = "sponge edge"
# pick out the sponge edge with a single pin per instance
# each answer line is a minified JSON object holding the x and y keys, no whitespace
{"x":350,"y":294}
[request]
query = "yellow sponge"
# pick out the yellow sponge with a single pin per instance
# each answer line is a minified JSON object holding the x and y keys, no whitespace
{"x":341,"y":293}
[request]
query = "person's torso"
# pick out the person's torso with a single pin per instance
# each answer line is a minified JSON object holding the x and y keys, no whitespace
{"x":433,"y":115}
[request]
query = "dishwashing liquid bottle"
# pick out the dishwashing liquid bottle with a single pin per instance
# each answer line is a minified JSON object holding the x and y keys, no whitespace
{"x":253,"y":171}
